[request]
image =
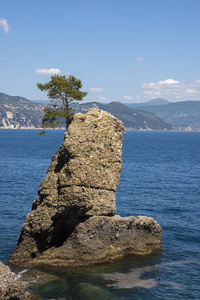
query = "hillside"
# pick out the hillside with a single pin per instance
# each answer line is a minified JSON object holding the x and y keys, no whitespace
{"x":18,"y":112}
{"x":186,"y":113}
{"x":157,"y":101}
{"x":132,"y":119}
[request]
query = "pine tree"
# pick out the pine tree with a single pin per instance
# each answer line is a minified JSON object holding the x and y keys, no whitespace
{"x":63,"y":92}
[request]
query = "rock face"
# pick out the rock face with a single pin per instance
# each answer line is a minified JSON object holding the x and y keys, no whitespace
{"x":72,"y":221}
{"x":11,"y":288}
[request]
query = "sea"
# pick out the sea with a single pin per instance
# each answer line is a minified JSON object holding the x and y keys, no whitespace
{"x":160,"y":179}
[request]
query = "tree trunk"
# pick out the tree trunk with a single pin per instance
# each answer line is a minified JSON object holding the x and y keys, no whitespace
{"x":68,"y":119}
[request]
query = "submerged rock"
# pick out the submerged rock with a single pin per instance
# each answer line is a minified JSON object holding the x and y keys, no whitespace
{"x":72,"y":221}
{"x":42,"y":282}
{"x":90,"y":291}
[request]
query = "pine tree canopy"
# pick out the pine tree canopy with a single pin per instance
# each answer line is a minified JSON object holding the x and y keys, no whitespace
{"x":63,"y":92}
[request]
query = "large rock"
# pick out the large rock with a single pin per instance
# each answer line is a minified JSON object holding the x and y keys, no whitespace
{"x":105,"y":239}
{"x":72,"y":221}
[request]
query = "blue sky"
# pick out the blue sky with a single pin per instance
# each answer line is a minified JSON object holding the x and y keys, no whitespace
{"x":128,"y":51}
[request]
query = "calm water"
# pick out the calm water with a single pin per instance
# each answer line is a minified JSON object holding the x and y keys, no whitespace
{"x":160,"y":179}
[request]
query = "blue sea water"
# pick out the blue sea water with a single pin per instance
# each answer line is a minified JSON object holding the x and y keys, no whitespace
{"x":160,"y":179}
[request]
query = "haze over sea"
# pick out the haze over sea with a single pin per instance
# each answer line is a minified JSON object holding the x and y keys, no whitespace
{"x":160,"y":179}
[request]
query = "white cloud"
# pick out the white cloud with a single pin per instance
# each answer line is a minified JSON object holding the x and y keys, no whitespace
{"x":96,"y":90}
{"x":171,"y":88}
{"x":192,"y":91}
{"x":52,"y":71}
{"x":154,"y":85}
{"x":4,"y":25}
{"x":152,"y":94}
{"x":167,"y":81}
{"x":139,"y":58}
{"x":1,"y":58}
{"x":148,"y":85}
{"x":197,"y":82}
{"x":128,"y":97}
{"x":102,"y":98}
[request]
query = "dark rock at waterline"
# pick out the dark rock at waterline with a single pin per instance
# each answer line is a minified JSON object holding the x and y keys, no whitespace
{"x":72,"y":221}
{"x":101,"y":239}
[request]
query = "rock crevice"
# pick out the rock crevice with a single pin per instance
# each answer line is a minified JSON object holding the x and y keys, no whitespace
{"x":73,"y":220}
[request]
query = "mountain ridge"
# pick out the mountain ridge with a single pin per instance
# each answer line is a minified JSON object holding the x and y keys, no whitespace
{"x":156,"y":101}
{"x":19,"y":112}
{"x":186,"y":113}
{"x":132,"y":118}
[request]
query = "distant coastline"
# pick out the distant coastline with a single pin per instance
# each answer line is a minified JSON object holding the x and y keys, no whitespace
{"x":156,"y":115}
{"x":188,"y":129}
{"x":30,"y":128}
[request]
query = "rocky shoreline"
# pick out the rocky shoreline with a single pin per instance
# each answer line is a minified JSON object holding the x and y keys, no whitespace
{"x":11,"y":288}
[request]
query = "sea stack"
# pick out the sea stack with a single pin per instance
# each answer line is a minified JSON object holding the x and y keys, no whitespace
{"x":73,"y":221}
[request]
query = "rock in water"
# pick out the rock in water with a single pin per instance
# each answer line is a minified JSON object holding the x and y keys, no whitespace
{"x":11,"y":288}
{"x":72,"y":221}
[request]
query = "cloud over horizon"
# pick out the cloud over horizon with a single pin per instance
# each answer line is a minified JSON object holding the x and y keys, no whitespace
{"x":4,"y":25}
{"x":102,"y":98}
{"x":128,"y":97}
{"x":96,"y":90}
{"x":52,"y":71}
{"x":171,"y":87}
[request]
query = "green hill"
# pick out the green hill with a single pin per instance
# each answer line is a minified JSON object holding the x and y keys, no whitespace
{"x":180,"y":113}
{"x":132,"y":118}
{"x":17,"y":112}
{"x":157,"y":101}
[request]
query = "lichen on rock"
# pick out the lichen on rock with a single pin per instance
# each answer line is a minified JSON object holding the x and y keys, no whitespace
{"x":72,"y":221}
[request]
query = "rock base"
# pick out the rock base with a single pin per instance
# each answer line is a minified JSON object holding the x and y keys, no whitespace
{"x":98,"y":240}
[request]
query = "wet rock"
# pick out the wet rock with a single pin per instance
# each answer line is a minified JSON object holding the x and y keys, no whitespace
{"x":43,"y":282}
{"x":11,"y":288}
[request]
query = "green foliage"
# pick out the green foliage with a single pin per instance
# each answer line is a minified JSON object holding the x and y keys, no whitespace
{"x":63,"y":92}
{"x":41,"y":132}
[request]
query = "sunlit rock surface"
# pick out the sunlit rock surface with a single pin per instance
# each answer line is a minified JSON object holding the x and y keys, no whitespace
{"x":72,"y":221}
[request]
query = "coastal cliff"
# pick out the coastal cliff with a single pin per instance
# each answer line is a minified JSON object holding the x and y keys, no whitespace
{"x":73,"y":220}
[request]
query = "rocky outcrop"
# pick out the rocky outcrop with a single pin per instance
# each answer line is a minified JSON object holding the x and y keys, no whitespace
{"x":72,"y":221}
{"x":11,"y":288}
